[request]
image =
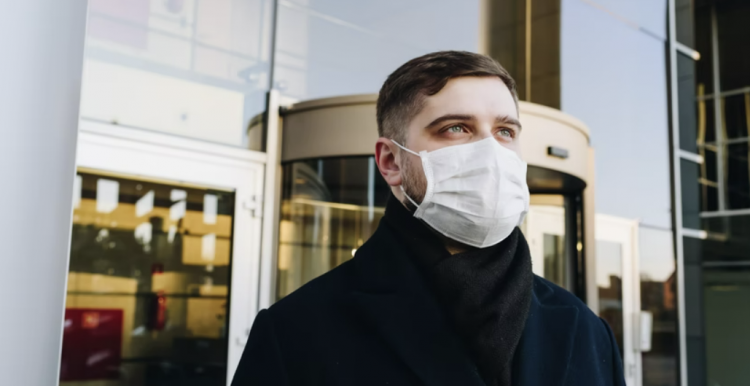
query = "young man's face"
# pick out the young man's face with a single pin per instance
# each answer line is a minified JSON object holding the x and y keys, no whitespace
{"x":467,"y":109}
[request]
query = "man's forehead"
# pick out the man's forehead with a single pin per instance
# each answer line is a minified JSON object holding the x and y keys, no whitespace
{"x":477,"y":96}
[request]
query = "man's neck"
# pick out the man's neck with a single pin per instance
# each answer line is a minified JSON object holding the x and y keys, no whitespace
{"x":452,"y":246}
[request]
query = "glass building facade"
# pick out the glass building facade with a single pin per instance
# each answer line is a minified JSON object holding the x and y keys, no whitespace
{"x":604,"y":62}
{"x":156,"y":256}
{"x":712,"y":97}
{"x":614,"y":77}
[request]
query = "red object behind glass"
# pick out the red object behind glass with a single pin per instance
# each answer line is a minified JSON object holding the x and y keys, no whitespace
{"x":92,"y":344}
{"x":157,"y":311}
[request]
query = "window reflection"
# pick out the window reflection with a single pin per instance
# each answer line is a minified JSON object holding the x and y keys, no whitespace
{"x":554,"y":259}
{"x":187,"y":67}
{"x":329,"y":209}
{"x":609,"y":282}
{"x":727,"y":316}
{"x":148,"y":285}
{"x":659,"y":296}
{"x":545,"y":230}
{"x":360,"y":43}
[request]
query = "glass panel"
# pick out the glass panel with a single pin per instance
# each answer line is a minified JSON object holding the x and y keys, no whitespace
{"x":638,"y":188}
{"x":691,"y":194}
{"x":148,"y":284}
{"x":659,"y":296}
{"x":727,"y":317}
{"x":550,"y":240}
{"x":731,"y":18}
{"x":727,"y":240}
{"x":702,"y":33}
{"x":688,"y":113}
{"x":330,"y":207}
{"x":338,"y":47}
{"x":738,"y":176}
{"x":507,"y":43}
{"x":555,"y":269}
{"x":506,"y":39}
{"x":706,"y":133}
{"x":609,"y":282}
{"x":709,"y":169}
{"x":684,"y":21}
{"x":186,"y":67}
{"x":709,"y":192}
{"x":737,"y":116}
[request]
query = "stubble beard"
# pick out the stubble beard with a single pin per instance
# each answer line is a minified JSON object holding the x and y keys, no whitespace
{"x":414,"y":184}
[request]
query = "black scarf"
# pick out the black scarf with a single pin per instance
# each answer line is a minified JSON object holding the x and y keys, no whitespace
{"x":486,"y":293}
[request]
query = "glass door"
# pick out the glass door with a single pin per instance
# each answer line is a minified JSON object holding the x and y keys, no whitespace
{"x":544,"y":229}
{"x":619,"y":288}
{"x":553,"y":230}
{"x":163,"y":277}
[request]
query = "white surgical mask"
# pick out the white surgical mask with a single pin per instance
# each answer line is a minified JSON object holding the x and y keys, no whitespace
{"x":476,"y":192}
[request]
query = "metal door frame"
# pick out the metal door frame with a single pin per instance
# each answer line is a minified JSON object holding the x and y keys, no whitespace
{"x":145,"y":154}
{"x":625,"y":232}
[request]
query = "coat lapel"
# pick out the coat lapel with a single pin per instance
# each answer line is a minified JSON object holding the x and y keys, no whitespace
{"x":547,"y":343}
{"x":393,"y":298}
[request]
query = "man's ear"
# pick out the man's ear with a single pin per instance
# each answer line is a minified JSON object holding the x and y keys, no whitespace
{"x":386,"y":156}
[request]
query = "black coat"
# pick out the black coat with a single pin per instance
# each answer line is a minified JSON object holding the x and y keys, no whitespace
{"x":373,"y":321}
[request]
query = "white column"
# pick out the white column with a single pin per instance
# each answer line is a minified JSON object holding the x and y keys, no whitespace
{"x":41,"y":43}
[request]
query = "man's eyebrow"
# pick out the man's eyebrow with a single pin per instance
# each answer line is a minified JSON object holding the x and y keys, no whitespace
{"x":510,"y":121}
{"x":449,"y":117}
{"x":467,"y":117}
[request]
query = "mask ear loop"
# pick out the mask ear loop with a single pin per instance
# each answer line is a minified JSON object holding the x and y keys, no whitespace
{"x":407,"y":196}
{"x":404,"y":148}
{"x":401,"y":186}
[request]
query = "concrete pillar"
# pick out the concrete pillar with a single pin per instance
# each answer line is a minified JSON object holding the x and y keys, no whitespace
{"x":41,"y":42}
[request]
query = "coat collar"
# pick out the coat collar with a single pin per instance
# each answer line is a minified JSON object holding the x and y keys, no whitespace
{"x":392,"y":296}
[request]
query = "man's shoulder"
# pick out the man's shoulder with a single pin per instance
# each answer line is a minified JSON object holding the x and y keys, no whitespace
{"x":550,"y":294}
{"x":319,"y":293}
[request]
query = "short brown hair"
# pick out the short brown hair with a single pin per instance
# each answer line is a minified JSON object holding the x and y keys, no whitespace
{"x":403,"y":93}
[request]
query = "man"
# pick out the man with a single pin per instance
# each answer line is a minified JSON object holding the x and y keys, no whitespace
{"x":443,"y":293}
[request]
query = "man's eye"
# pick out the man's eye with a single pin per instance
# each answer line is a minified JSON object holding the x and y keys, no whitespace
{"x":455,"y":129}
{"x":506,"y":133}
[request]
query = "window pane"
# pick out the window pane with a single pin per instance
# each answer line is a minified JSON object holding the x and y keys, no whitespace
{"x":339,"y":47}
{"x":609,"y":282}
{"x":148,"y":283}
{"x":640,"y":187}
{"x":691,"y":194}
{"x":706,"y":133}
{"x":738,"y":176}
{"x":684,"y":22}
{"x":190,"y":68}
{"x":688,"y":113}
{"x":727,"y":240}
{"x":555,"y":268}
{"x":507,"y":39}
{"x":732,"y":17}
{"x":658,"y":296}
{"x":330,"y":207}
{"x":727,"y":316}
{"x":708,"y":178}
{"x":550,"y":229}
{"x":703,"y":46}
{"x":736,"y":116}
{"x":507,"y":43}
